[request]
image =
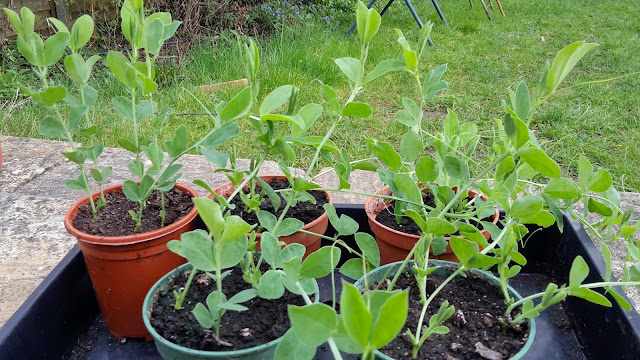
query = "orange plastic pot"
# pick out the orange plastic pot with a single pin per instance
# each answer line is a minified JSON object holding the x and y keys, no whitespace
{"x":318,"y":226}
{"x":124,"y":268}
{"x":395,"y":245}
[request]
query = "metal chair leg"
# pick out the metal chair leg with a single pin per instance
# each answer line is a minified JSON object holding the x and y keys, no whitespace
{"x":435,"y":4}
{"x":485,"y":9}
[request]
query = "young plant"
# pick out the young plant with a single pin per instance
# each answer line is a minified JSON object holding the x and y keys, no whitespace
{"x":515,"y":159}
{"x":44,"y":55}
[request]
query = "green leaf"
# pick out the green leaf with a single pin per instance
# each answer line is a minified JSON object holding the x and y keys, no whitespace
{"x":464,"y":249}
{"x":432,"y":84}
{"x":390,"y":319}
{"x":267,"y":220}
{"x":321,"y":262}
{"x":373,"y":24}
{"x":198,"y":248}
{"x":50,"y":96}
{"x":234,"y":227}
{"x":386,"y":154}
{"x":275,"y":99}
{"x":357,"y":109}
{"x":564,"y":62}
{"x":352,"y":268}
{"x":211,"y":214}
{"x":344,"y":225}
{"x":215,"y":157}
{"x":600,"y":181}
{"x":283,"y":148}
{"x":427,"y":170}
{"x":526,"y":206}
{"x":81,"y":32}
{"x":288,"y":226}
{"x":144,"y":109}
{"x":456,"y":168}
{"x":51,"y":126}
{"x":270,"y":248}
{"x":176,"y":247}
{"x":579,"y":271}
{"x":523,"y":101}
{"x":585,"y":170}
{"x":309,"y":113}
{"x":591,"y":296}
{"x":54,"y":47}
{"x":562,"y":188}
{"x":540,"y":162}
{"x":543,"y":218}
{"x":440,"y":226}
{"x":270,"y":285}
{"x":313,"y":324}
{"x":403,"y":117}
{"x":369,"y":248}
{"x":238,"y":106}
{"x":597,"y":207}
{"x":292,"y":348}
{"x":411,"y":145}
{"x":232,"y":252}
{"x":291,"y":251}
{"x":350,"y":67}
{"x":408,"y":185}
{"x":121,"y":68}
{"x":75,"y":184}
{"x":619,"y":299}
{"x":357,"y":319}
{"x":203,"y":316}
{"x":123,"y":107}
{"x":295,"y":120}
{"x":451,"y":124}
{"x":384,"y":67}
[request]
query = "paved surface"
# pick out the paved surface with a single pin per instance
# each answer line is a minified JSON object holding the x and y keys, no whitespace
{"x":33,"y":202}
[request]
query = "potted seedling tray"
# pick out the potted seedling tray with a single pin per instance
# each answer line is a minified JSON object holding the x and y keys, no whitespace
{"x":61,"y":320}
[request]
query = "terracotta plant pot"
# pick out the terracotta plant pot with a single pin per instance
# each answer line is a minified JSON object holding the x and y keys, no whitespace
{"x":318,"y":226}
{"x":395,"y":245}
{"x":123,"y":268}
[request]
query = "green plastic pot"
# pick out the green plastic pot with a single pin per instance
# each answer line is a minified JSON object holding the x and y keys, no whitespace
{"x":378,"y":274}
{"x":171,"y":351}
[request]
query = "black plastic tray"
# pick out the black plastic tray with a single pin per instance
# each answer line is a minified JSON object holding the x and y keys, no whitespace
{"x":63,"y":309}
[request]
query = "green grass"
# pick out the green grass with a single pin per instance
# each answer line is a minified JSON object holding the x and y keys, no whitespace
{"x":601,"y":121}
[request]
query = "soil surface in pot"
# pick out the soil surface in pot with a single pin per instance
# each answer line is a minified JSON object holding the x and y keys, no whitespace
{"x":475,"y":329}
{"x":114,"y":218}
{"x":264,"y":321}
{"x":387,"y":218}
{"x":303,"y":211}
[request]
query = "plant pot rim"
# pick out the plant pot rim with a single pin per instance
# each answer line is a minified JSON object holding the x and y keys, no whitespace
{"x":126,"y":239}
{"x":369,"y":204}
{"x":487,"y":276}
{"x":281,"y":177}
{"x":146,"y":308}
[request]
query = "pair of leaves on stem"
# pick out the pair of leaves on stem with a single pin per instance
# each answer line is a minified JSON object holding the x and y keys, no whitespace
{"x":359,"y":328}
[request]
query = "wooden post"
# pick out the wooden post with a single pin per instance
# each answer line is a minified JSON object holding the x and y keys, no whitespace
{"x":61,"y":11}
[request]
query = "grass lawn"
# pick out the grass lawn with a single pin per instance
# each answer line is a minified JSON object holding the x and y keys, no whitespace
{"x":601,"y":121}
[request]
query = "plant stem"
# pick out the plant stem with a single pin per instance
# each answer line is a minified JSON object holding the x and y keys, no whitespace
{"x":183,"y":294}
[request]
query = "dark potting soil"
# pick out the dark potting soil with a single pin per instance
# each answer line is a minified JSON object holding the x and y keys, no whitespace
{"x":387,"y":218}
{"x":114,"y":218}
{"x":475,"y":330}
{"x":303,"y":211}
{"x":264,"y":321}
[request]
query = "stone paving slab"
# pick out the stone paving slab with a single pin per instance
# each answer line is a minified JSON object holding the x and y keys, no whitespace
{"x":34,"y":201}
